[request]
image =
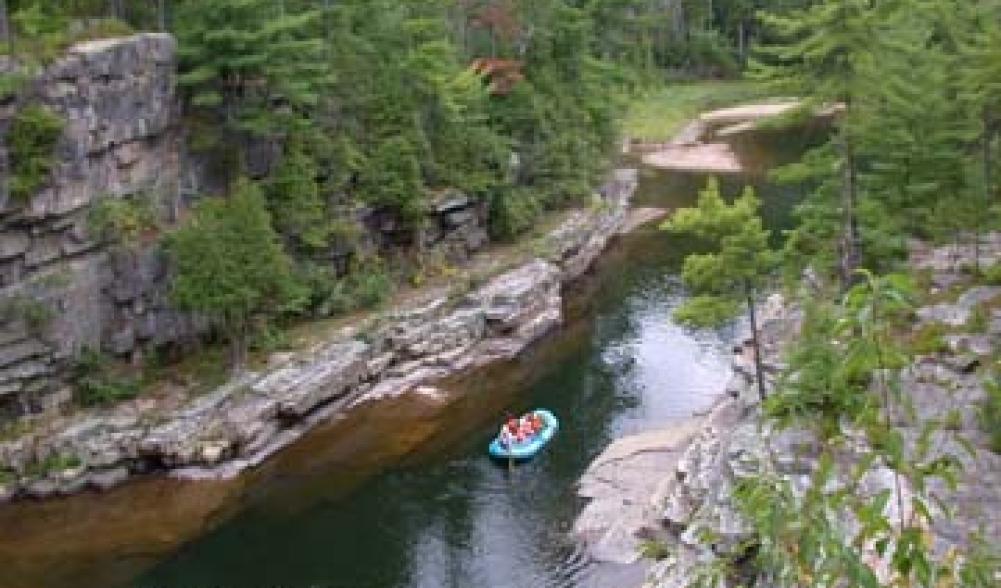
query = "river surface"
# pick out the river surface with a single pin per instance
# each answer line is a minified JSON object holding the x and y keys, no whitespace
{"x":402,"y":495}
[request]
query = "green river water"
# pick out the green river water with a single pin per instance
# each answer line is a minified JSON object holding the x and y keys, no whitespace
{"x":402,"y":495}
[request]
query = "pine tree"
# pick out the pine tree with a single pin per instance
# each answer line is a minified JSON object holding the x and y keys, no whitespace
{"x":911,"y":127}
{"x":818,"y":56}
{"x":249,"y":62}
{"x":735,"y":268}
{"x":231,"y":267}
{"x":298,"y":211}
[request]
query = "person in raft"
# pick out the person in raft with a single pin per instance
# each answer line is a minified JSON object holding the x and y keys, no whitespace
{"x":520,"y":430}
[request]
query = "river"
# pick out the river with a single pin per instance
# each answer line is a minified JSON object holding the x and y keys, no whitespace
{"x":402,"y":495}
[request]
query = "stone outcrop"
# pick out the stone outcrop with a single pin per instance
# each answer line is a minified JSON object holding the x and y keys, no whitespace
{"x":440,"y":334}
{"x":61,"y":288}
{"x":688,"y":506}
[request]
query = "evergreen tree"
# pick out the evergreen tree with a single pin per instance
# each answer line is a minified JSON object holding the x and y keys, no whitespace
{"x":298,"y":211}
{"x":736,"y":266}
{"x":818,"y":53}
{"x":230,"y":265}
{"x":248,"y":61}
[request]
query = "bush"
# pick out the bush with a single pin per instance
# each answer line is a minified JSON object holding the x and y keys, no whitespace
{"x":123,"y":220}
{"x":929,"y":339}
{"x":366,"y":286}
{"x":95,"y":383}
{"x":513,"y":212}
{"x":990,"y":415}
{"x":992,"y":275}
{"x":32,"y":139}
{"x":55,"y":462}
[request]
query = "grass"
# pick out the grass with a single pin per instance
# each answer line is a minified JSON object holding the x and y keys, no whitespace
{"x":657,"y":115}
{"x":56,"y":462}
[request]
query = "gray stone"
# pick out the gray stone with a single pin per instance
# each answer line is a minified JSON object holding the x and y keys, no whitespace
{"x":13,"y":244}
{"x":107,"y":479}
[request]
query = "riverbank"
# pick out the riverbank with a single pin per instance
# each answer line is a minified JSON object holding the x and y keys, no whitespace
{"x":628,"y":485}
{"x":667,"y":507}
{"x":440,"y":333}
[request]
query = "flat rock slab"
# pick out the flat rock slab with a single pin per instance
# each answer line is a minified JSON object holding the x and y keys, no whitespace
{"x":623,"y":484}
{"x":700,"y":157}
{"x":747,"y":113}
{"x":638,"y":217}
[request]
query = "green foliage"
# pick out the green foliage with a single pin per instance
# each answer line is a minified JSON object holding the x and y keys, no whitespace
{"x":739,"y":261}
{"x":294,"y":199}
{"x":31,"y":141}
{"x":34,"y":312}
{"x":231,"y":266}
{"x":392,"y":178}
{"x":53,"y":463}
{"x":512,"y":212}
{"x":124,"y":220}
{"x":928,"y":339}
{"x":368,"y":285}
{"x":992,"y":275}
{"x":44,"y":30}
{"x":96,"y":384}
{"x":250,"y":61}
{"x":11,"y":84}
{"x":653,"y":549}
{"x":989,"y":414}
{"x":658,"y":114}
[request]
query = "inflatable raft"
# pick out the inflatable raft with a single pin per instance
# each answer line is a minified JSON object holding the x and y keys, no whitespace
{"x":531,"y":446}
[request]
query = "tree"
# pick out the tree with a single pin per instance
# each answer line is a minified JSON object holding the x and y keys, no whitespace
{"x":294,"y":199}
{"x":245,"y":60}
{"x":736,"y":266}
{"x":6,"y":35}
{"x":817,"y":54}
{"x":231,"y":266}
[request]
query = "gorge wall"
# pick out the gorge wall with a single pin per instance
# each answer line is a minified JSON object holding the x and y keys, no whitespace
{"x":63,"y":288}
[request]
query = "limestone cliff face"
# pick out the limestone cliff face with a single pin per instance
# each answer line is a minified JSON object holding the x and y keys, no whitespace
{"x":61,"y":288}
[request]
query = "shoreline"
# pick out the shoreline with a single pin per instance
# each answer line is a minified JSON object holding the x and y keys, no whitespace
{"x":407,"y":350}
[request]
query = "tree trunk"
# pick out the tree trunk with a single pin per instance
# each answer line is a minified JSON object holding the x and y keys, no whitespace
{"x":759,"y":371}
{"x":115,"y":9}
{"x":238,"y":341}
{"x":6,"y":35}
{"x":986,"y":144}
{"x":742,"y":42}
{"x":161,"y":15}
{"x":851,"y":241}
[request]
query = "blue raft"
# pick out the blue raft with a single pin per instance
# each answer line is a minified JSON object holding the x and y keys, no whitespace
{"x":528,"y":448}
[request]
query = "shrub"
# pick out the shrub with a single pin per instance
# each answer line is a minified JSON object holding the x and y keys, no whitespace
{"x":992,"y":275}
{"x":653,"y":549}
{"x":95,"y":383}
{"x":31,"y":139}
{"x":513,"y":212}
{"x":366,"y":286}
{"x":989,"y":415}
{"x":55,"y":462}
{"x":124,"y":220}
{"x":929,"y":339}
{"x":35,"y":313}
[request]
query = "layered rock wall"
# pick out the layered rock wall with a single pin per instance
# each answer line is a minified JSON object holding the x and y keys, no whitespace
{"x":441,"y":334}
{"x":61,"y":288}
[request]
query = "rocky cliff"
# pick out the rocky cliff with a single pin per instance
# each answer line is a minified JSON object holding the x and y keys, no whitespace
{"x":675,"y":487}
{"x":65,"y":286}
{"x":61,"y":288}
{"x":440,"y":333}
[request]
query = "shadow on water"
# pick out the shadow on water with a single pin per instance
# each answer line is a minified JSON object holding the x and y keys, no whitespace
{"x":401,"y":494}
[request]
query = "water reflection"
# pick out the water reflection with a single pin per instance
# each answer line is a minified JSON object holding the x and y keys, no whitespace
{"x":401,"y":494}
